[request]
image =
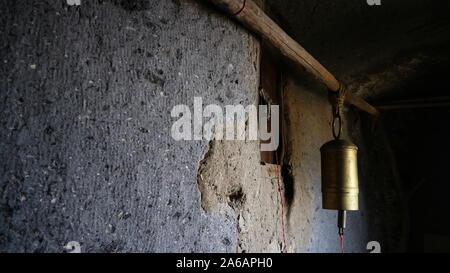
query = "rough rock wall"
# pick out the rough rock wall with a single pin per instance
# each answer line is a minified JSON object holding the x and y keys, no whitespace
{"x":85,"y":148}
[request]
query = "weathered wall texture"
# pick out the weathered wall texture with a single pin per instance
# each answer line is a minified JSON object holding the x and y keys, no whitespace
{"x":85,"y":148}
{"x":231,"y":176}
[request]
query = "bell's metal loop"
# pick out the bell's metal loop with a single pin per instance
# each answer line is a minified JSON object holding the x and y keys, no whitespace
{"x":333,"y":126}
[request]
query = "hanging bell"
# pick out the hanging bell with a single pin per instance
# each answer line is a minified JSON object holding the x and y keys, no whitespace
{"x":339,"y":175}
{"x":339,"y":169}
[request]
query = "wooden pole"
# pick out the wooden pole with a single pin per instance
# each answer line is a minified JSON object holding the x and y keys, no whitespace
{"x":254,"y":18}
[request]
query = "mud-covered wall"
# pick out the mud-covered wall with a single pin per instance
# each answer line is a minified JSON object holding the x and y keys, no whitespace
{"x":86,"y":153}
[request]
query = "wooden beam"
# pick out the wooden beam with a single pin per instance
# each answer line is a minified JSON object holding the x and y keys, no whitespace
{"x":255,"y":19}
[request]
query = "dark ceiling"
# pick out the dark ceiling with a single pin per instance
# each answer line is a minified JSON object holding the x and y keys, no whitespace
{"x":380,"y":51}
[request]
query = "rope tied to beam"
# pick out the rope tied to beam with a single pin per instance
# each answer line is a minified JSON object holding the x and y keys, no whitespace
{"x":337,"y":100}
{"x":340,"y":98}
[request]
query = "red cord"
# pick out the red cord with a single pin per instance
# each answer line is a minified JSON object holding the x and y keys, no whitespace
{"x":282,"y":203}
{"x":341,"y":239}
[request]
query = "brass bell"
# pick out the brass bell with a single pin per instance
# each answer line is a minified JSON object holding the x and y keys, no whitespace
{"x":339,"y":163}
{"x":339,"y":175}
